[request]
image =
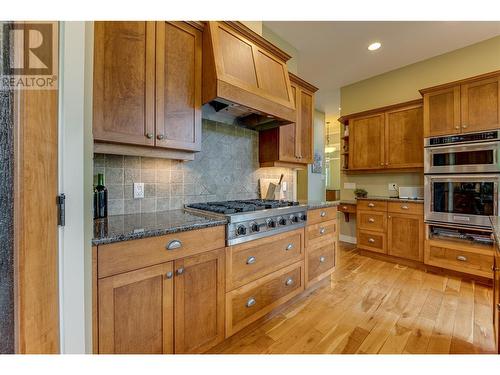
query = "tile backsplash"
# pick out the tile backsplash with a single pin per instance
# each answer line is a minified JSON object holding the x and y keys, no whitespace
{"x":226,"y":168}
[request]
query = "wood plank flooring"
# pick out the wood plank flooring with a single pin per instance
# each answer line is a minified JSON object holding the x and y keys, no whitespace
{"x":371,"y":306}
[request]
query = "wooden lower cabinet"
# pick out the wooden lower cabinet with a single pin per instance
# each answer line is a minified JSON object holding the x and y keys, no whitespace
{"x":320,"y":260}
{"x":139,"y":311}
{"x":496,"y":296}
{"x":405,"y":235}
{"x":136,"y":311}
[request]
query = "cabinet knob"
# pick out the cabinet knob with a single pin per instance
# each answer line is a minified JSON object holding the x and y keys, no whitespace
{"x":322,"y":231}
{"x":289,"y":246}
{"x":160,"y":136}
{"x":371,"y":205}
{"x":251,"y":302}
{"x":344,"y":207}
{"x":251,"y":260}
{"x":371,"y":220}
{"x":386,"y":163}
{"x":180,"y":271}
{"x":169,"y":275}
{"x":464,"y":126}
{"x":462,"y":258}
{"x":322,"y":214}
{"x":322,"y":259}
{"x":495,"y":269}
{"x":174,"y":244}
{"x":289,"y":281}
{"x":149,"y":135}
{"x":498,"y":306}
{"x":371,"y":240}
{"x":404,"y":207}
{"x":457,"y":127}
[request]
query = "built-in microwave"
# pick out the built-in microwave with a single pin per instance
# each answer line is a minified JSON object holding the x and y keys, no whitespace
{"x":461,"y":199}
{"x":466,"y":153}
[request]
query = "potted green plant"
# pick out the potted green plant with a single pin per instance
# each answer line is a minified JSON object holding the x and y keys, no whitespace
{"x":360,"y":193}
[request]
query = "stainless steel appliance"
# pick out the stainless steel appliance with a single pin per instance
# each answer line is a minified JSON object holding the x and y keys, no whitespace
{"x":255,"y":218}
{"x":466,"y":200}
{"x":463,"y":153}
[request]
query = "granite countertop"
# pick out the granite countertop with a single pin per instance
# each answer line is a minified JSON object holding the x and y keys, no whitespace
{"x":312,"y":205}
{"x":348,"y":201}
{"x":134,"y":226}
{"x":495,"y":226}
{"x":391,"y":199}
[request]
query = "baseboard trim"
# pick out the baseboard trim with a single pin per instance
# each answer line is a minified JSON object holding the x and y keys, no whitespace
{"x":348,"y":239}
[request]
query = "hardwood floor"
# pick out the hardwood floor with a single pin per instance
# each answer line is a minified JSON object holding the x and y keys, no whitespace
{"x":371,"y":306}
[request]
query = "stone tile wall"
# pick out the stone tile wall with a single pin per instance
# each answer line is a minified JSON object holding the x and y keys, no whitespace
{"x":227,"y":168}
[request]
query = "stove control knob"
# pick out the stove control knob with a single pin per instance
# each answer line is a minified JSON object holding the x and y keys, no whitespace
{"x":271,"y":223}
{"x":281,"y":220}
{"x":294,"y":218}
{"x":254,"y":227}
{"x":241,"y":230}
{"x":303,"y":217}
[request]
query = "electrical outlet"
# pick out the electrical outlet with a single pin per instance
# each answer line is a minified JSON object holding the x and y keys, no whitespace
{"x":283,"y":186}
{"x":393,"y":186}
{"x":138,"y":190}
{"x":350,"y":185}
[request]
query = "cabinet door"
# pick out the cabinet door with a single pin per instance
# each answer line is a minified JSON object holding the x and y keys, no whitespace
{"x":305,"y":120}
{"x":136,"y":311}
{"x":406,"y":236}
{"x":366,"y":142}
{"x":404,"y":138}
{"x":199,"y":302}
{"x":124,"y":74}
{"x":442,"y":112}
{"x":178,"y":86}
{"x":289,"y":134}
{"x":480,"y":103}
{"x":496,"y":297}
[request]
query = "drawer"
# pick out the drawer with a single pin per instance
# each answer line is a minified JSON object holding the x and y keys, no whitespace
{"x":131,"y":255}
{"x":252,"y":260}
{"x":373,"y":221}
{"x":252,"y":301}
{"x":320,"y":261}
{"x":347,"y":208}
{"x":367,"y":205}
{"x":321,"y":214}
{"x":474,"y":262}
{"x":321,"y":230}
{"x":406,"y":208}
{"x":373,"y":241}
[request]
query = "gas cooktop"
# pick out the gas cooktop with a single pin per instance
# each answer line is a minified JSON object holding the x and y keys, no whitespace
{"x":254,"y":218}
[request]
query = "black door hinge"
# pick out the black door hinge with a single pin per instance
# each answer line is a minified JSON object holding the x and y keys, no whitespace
{"x":61,"y":210}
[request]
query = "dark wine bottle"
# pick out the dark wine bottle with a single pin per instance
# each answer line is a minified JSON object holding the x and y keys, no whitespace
{"x":100,"y":198}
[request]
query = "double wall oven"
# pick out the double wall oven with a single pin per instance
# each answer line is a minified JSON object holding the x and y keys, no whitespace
{"x":462,"y":176}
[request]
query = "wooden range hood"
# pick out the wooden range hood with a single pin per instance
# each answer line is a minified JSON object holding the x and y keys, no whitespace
{"x":245,"y":77}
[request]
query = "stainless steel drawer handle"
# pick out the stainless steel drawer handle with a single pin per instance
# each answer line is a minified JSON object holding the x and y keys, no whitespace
{"x":289,"y":246}
{"x":160,"y":136}
{"x":251,"y":301}
{"x":371,"y":220}
{"x":322,"y":214}
{"x":149,"y":135}
{"x":174,"y":244}
{"x":461,"y":258}
{"x":322,"y":230}
{"x":322,"y":259}
{"x":180,"y":271}
{"x":169,"y":275}
{"x":371,"y":240}
{"x":371,"y":205}
{"x":404,"y":207}
{"x":251,"y":260}
{"x":289,"y":281}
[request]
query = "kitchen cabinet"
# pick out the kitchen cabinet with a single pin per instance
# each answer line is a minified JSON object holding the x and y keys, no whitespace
{"x":496,"y":295}
{"x":291,"y":145}
{"x":405,"y":235}
{"x":147,"y":86}
{"x":469,"y":105}
{"x":389,"y":138}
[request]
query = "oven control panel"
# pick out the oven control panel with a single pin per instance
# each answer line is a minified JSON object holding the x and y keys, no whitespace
{"x":463,"y":138}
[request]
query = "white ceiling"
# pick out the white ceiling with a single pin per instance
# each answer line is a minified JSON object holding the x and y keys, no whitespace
{"x":333,"y":54}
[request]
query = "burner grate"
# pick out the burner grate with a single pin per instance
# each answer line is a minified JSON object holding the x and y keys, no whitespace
{"x":236,"y":206}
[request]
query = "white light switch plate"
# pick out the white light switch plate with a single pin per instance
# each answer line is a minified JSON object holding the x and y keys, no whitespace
{"x":283,"y":186}
{"x":393,"y":186}
{"x":350,"y":185}
{"x":138,"y":190}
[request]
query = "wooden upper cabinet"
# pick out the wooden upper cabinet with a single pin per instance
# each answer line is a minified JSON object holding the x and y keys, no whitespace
{"x":291,"y":145}
{"x":366,"y":142}
{"x":480,"y":104}
{"x":178,"y":86}
{"x":136,"y":311}
{"x":199,"y":302}
{"x":469,"y":105}
{"x":124,"y":82}
{"x":404,"y":138}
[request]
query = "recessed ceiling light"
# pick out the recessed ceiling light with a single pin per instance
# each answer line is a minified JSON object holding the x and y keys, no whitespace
{"x":374,"y":46}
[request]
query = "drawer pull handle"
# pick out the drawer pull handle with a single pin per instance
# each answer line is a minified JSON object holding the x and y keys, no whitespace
{"x":251,"y":301}
{"x":322,"y":230}
{"x":371,"y":220}
{"x":371,"y":240}
{"x":322,"y":259}
{"x":289,"y":247}
{"x":174,"y":244}
{"x":461,"y":258}
{"x":404,"y":207}
{"x":251,"y":260}
{"x":180,"y":271}
{"x":169,"y":275}
{"x":289,"y":281}
{"x":371,"y":204}
{"x":495,"y":269}
{"x":322,"y":214}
